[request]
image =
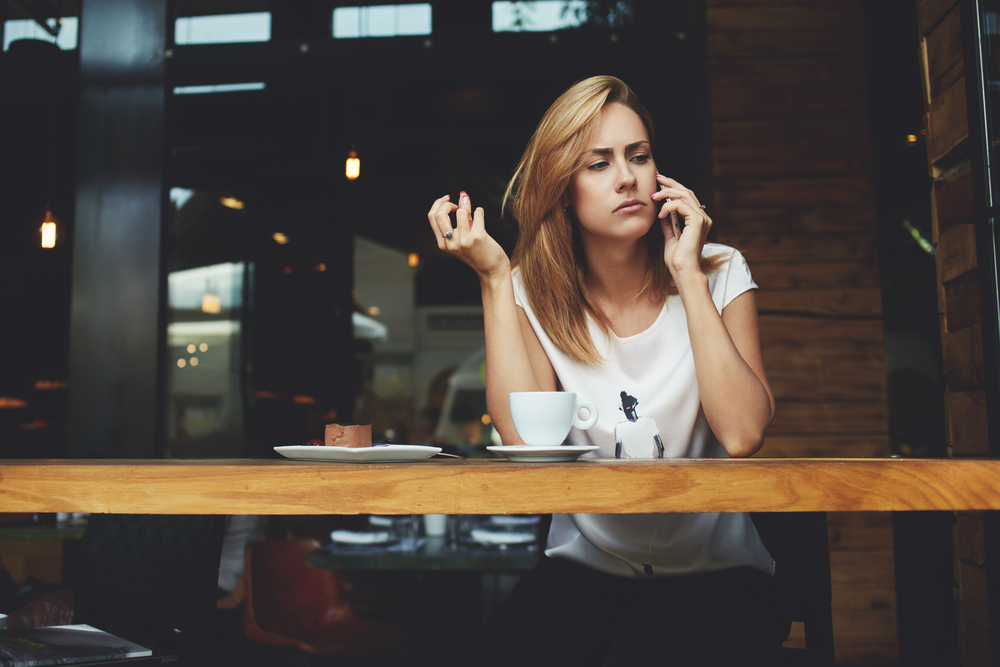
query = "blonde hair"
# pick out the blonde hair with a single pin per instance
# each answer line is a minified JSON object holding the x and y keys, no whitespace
{"x":548,"y":250}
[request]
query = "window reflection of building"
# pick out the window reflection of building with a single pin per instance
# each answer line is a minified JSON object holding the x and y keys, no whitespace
{"x":204,"y":415}
{"x":407,"y":376}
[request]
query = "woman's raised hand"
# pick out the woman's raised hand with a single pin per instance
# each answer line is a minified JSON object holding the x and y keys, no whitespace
{"x":467,"y":239}
{"x":682,"y":249}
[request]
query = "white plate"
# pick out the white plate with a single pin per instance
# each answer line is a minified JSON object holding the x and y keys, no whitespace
{"x":361,"y":537}
{"x":526,"y":454}
{"x":380,"y":454}
{"x":494,"y":537}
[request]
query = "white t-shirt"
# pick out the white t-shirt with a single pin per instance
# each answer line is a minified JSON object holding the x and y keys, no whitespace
{"x":647,"y":394}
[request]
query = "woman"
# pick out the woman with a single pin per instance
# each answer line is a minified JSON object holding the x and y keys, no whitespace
{"x":608,"y":297}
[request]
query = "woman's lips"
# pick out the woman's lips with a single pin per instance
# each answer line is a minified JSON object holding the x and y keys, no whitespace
{"x":631,"y":206}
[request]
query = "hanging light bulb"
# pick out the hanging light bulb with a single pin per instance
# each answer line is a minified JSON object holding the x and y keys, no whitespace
{"x":353,"y":169}
{"x":50,"y":231}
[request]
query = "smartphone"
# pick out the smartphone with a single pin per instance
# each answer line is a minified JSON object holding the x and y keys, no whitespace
{"x":676,"y":220}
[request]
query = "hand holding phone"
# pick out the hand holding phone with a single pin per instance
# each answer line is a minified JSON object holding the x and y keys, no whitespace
{"x":676,"y":220}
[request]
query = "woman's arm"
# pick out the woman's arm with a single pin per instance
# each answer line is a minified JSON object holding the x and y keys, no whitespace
{"x":735,"y":394}
{"x":515,"y":360}
{"x":733,"y":387}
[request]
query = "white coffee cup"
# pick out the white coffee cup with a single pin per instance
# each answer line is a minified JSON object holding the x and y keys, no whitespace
{"x":543,"y":418}
{"x":435,"y":525}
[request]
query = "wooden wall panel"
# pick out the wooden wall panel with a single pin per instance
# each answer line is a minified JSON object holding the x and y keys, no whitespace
{"x":825,"y":446}
{"x":956,"y":253}
{"x":965,"y":412}
{"x":942,"y":50}
{"x":963,"y":351}
{"x":793,"y":191}
{"x":962,"y":297}
{"x":947,"y":126}
{"x":952,"y":201}
{"x":958,"y":296}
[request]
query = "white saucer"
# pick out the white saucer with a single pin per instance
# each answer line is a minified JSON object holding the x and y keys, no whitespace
{"x":361,"y":537}
{"x":527,"y":454}
{"x":496,"y":537}
{"x":379,"y":454}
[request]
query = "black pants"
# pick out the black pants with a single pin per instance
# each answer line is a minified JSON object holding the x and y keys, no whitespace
{"x":562,"y":613}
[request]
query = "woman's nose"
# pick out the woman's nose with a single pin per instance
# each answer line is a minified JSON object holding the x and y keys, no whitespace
{"x":626,"y":179}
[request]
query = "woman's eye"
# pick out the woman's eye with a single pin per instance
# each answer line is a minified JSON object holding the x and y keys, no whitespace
{"x":641,"y":158}
{"x":598,"y":166}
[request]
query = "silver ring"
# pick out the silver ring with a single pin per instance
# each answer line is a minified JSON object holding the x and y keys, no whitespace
{"x":448,"y":235}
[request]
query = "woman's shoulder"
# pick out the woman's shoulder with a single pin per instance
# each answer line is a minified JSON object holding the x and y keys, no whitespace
{"x":723,"y":252}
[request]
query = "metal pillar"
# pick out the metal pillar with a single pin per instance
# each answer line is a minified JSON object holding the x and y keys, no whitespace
{"x":118,"y":291}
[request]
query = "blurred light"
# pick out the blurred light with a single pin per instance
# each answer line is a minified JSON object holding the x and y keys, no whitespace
{"x":218,"y":88}
{"x":194,"y":361}
{"x":50,"y":231}
{"x":211,"y":304}
{"x":538,"y":16}
{"x":180,"y":196}
{"x":233,"y":203}
{"x":924,"y":244}
{"x":7,"y":402}
{"x":353,"y":169}
{"x":223,"y":28}
{"x":321,"y":267}
{"x":279,"y":238}
{"x":265,"y":394}
{"x":486,"y":420}
{"x":181,"y":363}
{"x":38,"y":423}
{"x":413,"y":259}
{"x":203,"y":347}
{"x":911,"y":138}
{"x":191,"y":348}
{"x":374,"y":310}
{"x":287,"y":269}
{"x":68,"y":31}
{"x":382,"y":20}
{"x":50,"y":384}
{"x":48,"y":235}
{"x":303,"y":400}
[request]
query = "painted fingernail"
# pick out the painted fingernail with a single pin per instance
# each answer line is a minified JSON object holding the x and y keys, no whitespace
{"x":446,"y":197}
{"x":464,"y":198}
{"x":653,"y":197}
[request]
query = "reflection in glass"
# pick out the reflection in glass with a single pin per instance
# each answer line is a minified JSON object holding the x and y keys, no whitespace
{"x":223,"y":29}
{"x":28,"y":29}
{"x":219,"y":88}
{"x":421,"y":367}
{"x":382,"y":21}
{"x":539,"y":16}
{"x":204,"y":339}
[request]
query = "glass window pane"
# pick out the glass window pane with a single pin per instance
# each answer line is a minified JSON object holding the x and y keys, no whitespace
{"x":346,"y":22}
{"x":222,"y":29}
{"x":414,"y":19}
{"x":28,"y":29}
{"x":539,"y":16}
{"x":382,"y":21}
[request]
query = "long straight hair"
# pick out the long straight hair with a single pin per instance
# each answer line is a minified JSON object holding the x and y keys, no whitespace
{"x":548,"y":251}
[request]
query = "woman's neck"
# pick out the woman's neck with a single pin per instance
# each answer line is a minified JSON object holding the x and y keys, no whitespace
{"x":616,"y":272}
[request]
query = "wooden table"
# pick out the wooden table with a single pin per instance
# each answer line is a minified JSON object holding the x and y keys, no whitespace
{"x":496,"y":486}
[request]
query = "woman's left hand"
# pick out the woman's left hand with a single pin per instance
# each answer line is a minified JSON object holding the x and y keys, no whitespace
{"x":682,"y":249}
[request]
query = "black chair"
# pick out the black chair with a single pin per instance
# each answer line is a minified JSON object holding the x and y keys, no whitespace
{"x":151,"y":579}
{"x":799,"y":545}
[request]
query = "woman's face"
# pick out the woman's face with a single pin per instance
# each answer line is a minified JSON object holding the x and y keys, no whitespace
{"x":610,"y":194}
